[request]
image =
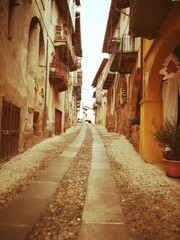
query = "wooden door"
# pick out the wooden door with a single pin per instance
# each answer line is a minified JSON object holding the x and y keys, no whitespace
{"x":58,"y":121}
{"x":10,"y":126}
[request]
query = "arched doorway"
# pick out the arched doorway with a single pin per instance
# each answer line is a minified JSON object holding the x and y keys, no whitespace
{"x":171,"y":85}
{"x":36,"y":78}
{"x":152,"y":105}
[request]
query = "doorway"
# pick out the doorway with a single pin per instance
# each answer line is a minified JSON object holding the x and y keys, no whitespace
{"x":58,"y":122}
{"x":10,"y":128}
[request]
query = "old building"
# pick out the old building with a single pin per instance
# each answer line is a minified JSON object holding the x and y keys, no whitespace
{"x":99,"y":94}
{"x":160,"y":40}
{"x":40,"y":71}
{"x":121,"y":80}
{"x":142,"y":39}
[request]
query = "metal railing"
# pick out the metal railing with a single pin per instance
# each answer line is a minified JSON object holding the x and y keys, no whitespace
{"x":129,"y":44}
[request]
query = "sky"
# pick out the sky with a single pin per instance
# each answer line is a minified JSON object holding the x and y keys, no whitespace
{"x":94,"y":16}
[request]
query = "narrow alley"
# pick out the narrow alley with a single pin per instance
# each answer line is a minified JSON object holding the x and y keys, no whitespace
{"x":87,"y":184}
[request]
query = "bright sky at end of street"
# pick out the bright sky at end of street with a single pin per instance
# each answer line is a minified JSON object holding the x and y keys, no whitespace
{"x":94,"y":16}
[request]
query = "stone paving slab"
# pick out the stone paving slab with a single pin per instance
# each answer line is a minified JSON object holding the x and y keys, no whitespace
{"x":103,"y":165}
{"x":51,"y":176}
{"x":76,"y":145}
{"x":99,"y":157}
{"x":18,"y":232}
{"x":68,"y":153}
{"x":58,"y":167}
{"x":40,"y":190}
{"x":102,"y":215}
{"x":101,"y":180}
{"x":98,"y":146}
{"x":23,"y":211}
{"x":64,"y":160}
{"x":19,"y":217}
{"x":56,"y":171}
{"x":102,"y":207}
{"x":91,"y":231}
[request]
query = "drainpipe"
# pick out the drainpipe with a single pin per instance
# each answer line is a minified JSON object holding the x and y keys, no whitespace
{"x":47,"y":77}
{"x":141,"y":68}
{"x":141,"y":89}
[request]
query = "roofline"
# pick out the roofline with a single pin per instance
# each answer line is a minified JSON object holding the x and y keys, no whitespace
{"x":101,"y":67}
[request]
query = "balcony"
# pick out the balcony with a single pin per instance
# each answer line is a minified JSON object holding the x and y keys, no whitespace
{"x":64,"y":11}
{"x":77,"y":35}
{"x":76,"y":65}
{"x":78,"y":3}
{"x":109,"y":80}
{"x":95,"y":106}
{"x":79,"y":77}
{"x":76,"y":90}
{"x":58,"y":74}
{"x":98,"y":97}
{"x":147,"y":16}
{"x":78,"y":97}
{"x":125,"y":58}
{"x":77,"y":87}
{"x":114,"y":44}
{"x":123,"y":4}
{"x":78,"y":104}
{"x":63,"y":41}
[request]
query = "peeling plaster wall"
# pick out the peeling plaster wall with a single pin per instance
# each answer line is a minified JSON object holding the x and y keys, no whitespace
{"x":23,"y":83}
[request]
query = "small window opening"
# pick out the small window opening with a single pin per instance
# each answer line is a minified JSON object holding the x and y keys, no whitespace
{"x":36,"y":123}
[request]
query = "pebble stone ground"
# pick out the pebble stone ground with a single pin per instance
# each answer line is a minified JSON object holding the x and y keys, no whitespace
{"x":149,"y":200}
{"x":63,"y":216}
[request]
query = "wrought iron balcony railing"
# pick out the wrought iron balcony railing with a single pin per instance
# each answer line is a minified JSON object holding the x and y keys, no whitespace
{"x":61,"y":33}
{"x":126,"y":56}
{"x":63,"y":40}
{"x":129,"y":44}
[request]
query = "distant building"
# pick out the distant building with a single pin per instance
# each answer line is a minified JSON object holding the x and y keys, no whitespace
{"x":100,"y":94}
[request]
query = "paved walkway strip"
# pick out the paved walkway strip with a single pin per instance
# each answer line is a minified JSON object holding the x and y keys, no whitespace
{"x":18,"y":219}
{"x":102,"y":215}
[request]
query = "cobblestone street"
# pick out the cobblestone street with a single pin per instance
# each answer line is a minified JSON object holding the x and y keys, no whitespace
{"x":87,"y":184}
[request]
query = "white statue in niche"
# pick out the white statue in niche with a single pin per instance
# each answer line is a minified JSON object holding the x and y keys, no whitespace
{"x":170,"y":86}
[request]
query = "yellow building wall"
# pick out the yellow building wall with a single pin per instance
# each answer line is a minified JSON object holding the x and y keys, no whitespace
{"x":154,"y":53}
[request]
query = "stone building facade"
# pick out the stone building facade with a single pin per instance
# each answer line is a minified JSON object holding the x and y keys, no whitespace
{"x":160,"y":36}
{"x":100,"y":95}
{"x":121,"y":79}
{"x":40,"y":48}
{"x":142,"y":81}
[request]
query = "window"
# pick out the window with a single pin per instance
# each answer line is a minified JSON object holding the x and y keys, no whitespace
{"x":41,"y":49}
{"x":36,"y":49}
{"x":12,"y":10}
{"x":36,"y":123}
{"x":121,"y":91}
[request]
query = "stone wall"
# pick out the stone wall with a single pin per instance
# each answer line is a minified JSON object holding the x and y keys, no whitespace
{"x":123,"y":123}
{"x":26,"y":47}
{"x":119,"y":122}
{"x":110,"y":123}
{"x":135,"y":136}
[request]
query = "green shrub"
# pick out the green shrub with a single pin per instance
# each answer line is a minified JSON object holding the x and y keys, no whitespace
{"x":168,"y":137}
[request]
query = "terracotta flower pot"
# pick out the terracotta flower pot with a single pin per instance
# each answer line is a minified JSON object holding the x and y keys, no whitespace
{"x":172,"y":168}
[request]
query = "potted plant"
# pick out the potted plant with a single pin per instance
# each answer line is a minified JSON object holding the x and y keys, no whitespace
{"x":168,"y":137}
